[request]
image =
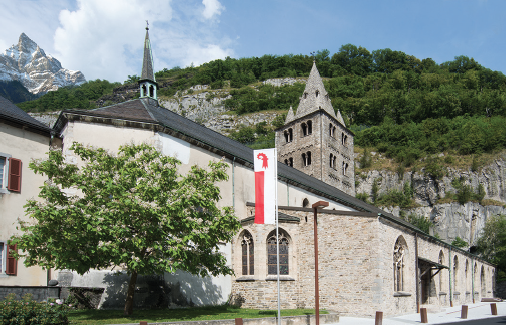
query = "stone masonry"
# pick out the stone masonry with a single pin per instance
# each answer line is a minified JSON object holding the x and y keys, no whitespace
{"x":356,"y":266}
{"x":316,"y":140}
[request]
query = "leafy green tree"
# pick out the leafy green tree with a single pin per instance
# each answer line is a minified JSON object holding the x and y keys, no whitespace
{"x":459,"y":242}
{"x":132,"y":79}
{"x":492,"y":242}
{"x":132,"y":210}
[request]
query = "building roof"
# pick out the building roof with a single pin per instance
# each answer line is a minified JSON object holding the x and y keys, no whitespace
{"x":289,"y":116}
{"x":145,"y":110}
{"x":11,"y":112}
{"x":315,"y":96}
{"x":147,"y":62}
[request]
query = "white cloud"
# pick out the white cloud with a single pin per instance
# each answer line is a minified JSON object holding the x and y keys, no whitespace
{"x":211,"y":8}
{"x":104,"y":39}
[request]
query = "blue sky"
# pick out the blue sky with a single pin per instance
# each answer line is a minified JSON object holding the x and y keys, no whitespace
{"x":103,"y":38}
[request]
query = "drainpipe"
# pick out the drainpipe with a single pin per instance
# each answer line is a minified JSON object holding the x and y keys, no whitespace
{"x":450,"y":274}
{"x":287,"y":194}
{"x":417,"y":275}
{"x":233,"y":184}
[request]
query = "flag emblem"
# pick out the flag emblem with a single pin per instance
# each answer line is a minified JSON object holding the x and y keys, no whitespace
{"x":265,"y":186}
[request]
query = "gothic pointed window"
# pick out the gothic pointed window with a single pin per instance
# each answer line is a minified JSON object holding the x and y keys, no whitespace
{"x":455,"y":273}
{"x":441,"y":261}
{"x":248,"y":254}
{"x":283,"y":253}
{"x":400,"y":253}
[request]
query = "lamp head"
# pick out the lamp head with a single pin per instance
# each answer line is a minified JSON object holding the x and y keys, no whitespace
{"x":320,"y":204}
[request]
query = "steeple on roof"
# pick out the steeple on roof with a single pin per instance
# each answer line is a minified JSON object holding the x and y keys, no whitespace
{"x":315,"y":96}
{"x":147,"y":63}
{"x":290,"y":116}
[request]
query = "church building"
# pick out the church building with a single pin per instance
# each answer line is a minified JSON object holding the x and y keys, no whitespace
{"x":369,"y":260}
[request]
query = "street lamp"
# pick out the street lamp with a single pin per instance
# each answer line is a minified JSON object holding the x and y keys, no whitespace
{"x":316,"y":206}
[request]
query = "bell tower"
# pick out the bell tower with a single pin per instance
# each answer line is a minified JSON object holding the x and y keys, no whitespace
{"x":147,"y":83}
{"x":315,"y":140}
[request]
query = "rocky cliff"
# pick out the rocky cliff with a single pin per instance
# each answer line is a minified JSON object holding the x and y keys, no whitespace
{"x":37,"y":71}
{"x":450,"y":219}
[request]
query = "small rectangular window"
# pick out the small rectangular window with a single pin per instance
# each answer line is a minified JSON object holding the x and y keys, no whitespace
{"x":2,"y":258}
{"x":2,"y":172}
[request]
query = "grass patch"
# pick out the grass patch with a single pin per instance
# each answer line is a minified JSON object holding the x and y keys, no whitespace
{"x":96,"y":317}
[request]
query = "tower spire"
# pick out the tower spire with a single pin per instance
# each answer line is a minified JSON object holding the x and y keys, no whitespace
{"x":147,"y":82}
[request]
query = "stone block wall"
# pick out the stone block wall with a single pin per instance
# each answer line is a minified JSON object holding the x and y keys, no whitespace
{"x":39,"y":293}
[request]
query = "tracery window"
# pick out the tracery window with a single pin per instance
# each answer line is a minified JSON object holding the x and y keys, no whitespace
{"x":248,"y":254}
{"x":272,"y":253}
{"x":399,"y":263}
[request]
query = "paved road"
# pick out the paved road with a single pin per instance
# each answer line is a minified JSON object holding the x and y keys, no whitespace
{"x":479,"y":313}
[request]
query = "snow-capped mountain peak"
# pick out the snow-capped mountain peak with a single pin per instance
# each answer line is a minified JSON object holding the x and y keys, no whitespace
{"x":36,"y":70}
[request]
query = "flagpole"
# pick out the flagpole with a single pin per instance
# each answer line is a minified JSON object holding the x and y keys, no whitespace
{"x":277,"y":225}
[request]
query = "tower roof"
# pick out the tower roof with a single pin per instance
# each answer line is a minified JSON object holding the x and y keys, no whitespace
{"x":147,"y":62}
{"x":290,"y":116}
{"x":315,"y":96}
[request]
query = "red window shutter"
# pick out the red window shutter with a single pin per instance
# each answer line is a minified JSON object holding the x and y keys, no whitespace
{"x":12,"y":263}
{"x":14,"y":175}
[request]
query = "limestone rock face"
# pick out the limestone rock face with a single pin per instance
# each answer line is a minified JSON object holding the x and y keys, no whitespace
{"x":451,"y":220}
{"x":37,"y":71}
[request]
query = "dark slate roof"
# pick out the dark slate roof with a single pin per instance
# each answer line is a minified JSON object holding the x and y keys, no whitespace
{"x":145,"y":110}
{"x":11,"y":112}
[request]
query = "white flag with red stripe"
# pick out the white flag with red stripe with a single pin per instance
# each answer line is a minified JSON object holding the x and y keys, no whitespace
{"x":265,"y":185}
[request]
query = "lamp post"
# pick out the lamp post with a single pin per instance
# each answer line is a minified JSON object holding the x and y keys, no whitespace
{"x":319,"y":204}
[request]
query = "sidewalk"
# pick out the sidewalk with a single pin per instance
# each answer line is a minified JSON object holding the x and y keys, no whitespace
{"x":451,"y":314}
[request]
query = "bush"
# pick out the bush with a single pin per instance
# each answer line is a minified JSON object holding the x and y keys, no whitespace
{"x":27,"y":311}
{"x":420,"y":222}
{"x":459,"y":242}
{"x":363,"y":196}
{"x":365,"y":160}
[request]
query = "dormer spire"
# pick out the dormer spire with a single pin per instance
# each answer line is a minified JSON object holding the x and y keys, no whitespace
{"x":147,"y":82}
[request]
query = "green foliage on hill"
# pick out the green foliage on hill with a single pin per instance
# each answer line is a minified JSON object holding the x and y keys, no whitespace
{"x":71,"y":97}
{"x":15,"y":92}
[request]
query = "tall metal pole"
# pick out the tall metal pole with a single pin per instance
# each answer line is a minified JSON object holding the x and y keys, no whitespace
{"x":316,"y":284}
{"x":319,"y":204}
{"x":277,"y":228}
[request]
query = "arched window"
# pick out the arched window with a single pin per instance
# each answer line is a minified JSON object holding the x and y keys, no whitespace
{"x":466,"y":275}
{"x":309,"y":127}
{"x":344,"y":138}
{"x":290,"y":162}
{"x":144,"y":90}
{"x":305,"y":203}
{"x":304,"y":160}
{"x":455,"y":273}
{"x":483,"y":283}
{"x":248,"y":254}
{"x":330,"y":130}
{"x":304,"y":129}
{"x":334,"y":131}
{"x":290,"y":133}
{"x":305,"y":95}
{"x":272,"y":261}
{"x":287,"y":136}
{"x":317,"y":93}
{"x":399,"y":256}
{"x":308,"y":158}
{"x":151,"y":91}
{"x":286,"y":162}
{"x":441,"y":261}
{"x":331,"y":161}
{"x":345,"y":168}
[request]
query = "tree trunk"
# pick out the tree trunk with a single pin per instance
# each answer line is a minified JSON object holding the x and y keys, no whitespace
{"x":129,"y":303}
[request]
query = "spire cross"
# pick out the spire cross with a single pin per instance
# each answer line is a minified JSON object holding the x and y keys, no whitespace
{"x":313,"y":55}
{"x":147,"y":25}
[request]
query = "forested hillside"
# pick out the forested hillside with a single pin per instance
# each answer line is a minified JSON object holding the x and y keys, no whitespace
{"x":399,"y":104}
